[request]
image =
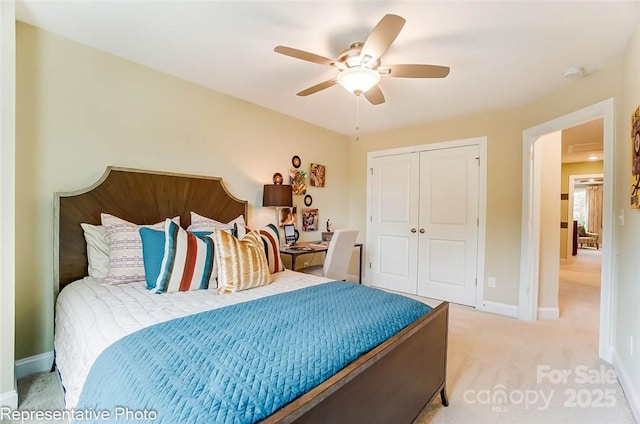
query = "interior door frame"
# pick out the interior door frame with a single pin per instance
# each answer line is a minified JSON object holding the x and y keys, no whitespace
{"x":530,"y":242}
{"x":481,"y":142}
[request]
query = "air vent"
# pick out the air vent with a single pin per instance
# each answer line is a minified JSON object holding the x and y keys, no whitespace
{"x":584,"y":147}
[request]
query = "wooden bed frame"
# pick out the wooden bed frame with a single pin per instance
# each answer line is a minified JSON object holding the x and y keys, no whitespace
{"x":392,"y":383}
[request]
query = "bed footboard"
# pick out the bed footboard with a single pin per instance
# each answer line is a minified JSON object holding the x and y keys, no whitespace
{"x":391,"y":383}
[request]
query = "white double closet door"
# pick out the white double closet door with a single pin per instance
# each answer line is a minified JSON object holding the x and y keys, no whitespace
{"x":424,"y":223}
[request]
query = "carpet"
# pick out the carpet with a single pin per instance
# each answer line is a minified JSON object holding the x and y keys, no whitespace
{"x":503,"y":370}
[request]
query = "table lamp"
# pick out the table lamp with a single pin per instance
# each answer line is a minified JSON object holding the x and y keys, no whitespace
{"x":277,"y":195}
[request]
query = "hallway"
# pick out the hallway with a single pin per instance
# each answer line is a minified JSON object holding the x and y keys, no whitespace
{"x":579,"y":294}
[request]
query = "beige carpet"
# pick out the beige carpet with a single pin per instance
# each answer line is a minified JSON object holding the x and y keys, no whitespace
{"x":548,"y":371}
{"x":491,"y":355}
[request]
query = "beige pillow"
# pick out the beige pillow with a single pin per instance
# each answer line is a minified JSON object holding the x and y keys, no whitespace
{"x":242,"y":264}
{"x":97,"y":250}
{"x":202,"y":223}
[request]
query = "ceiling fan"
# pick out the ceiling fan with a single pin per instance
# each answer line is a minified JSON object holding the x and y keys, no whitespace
{"x":359,"y":67}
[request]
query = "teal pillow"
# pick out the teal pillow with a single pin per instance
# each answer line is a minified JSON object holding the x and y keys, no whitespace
{"x":153,"y":252}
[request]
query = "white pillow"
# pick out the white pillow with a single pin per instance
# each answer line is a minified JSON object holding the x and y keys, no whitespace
{"x":202,"y":223}
{"x":97,"y":250}
{"x":125,"y":249}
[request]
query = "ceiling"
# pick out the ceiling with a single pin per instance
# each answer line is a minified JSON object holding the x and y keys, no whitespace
{"x":501,"y":53}
{"x":584,"y":142}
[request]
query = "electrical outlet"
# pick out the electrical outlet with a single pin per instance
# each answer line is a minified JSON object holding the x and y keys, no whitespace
{"x":491,"y":281}
{"x":621,"y":218}
{"x":631,"y":345}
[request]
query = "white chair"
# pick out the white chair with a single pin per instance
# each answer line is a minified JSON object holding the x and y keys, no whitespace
{"x":336,"y":261}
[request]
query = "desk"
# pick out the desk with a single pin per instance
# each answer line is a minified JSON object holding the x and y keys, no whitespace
{"x":305,"y":248}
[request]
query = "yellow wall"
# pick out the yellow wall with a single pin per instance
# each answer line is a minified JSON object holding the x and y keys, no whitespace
{"x":574,"y":168}
{"x":626,"y":240}
{"x":579,"y":168}
{"x":80,"y":110}
{"x":503,"y":129}
{"x":548,"y":152}
{"x":8,"y":395}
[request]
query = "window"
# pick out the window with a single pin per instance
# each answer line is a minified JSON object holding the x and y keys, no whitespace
{"x":580,"y":206}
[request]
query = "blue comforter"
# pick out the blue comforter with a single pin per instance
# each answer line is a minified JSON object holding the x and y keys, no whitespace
{"x":241,"y":363}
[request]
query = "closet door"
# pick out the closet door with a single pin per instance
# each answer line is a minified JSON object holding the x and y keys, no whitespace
{"x":448,"y":231}
{"x":393,"y":248}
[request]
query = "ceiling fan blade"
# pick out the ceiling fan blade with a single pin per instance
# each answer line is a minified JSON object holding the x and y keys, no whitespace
{"x":381,"y":37}
{"x":301,"y":54}
{"x":415,"y":71}
{"x":318,"y":87}
{"x":375,"y":96}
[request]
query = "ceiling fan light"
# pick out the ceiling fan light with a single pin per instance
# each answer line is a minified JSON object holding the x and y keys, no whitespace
{"x":358,"y":80}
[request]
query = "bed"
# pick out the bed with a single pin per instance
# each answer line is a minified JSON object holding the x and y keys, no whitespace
{"x":391,"y":382}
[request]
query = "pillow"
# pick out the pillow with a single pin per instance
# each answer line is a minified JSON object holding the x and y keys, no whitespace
{"x":242,"y":264}
{"x":271,"y":241}
{"x":125,"y":249}
{"x":153,"y":243}
{"x":582,"y":232}
{"x":188,"y":261}
{"x":202,"y":223}
{"x":97,"y":250}
{"x":152,"y":254}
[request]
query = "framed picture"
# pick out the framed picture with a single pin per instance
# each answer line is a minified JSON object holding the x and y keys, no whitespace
{"x":318,"y":174}
{"x":287,"y":216}
{"x":298,"y":181}
{"x":310,"y":219}
{"x":635,"y":158}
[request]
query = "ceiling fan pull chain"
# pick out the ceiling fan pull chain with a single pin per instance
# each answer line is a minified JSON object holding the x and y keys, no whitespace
{"x":357,"y":118}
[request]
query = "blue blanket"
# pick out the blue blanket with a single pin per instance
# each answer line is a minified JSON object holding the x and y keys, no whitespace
{"x":241,"y":363}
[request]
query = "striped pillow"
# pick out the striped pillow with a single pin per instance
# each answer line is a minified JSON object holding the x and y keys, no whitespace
{"x":271,"y":241}
{"x":125,"y":249}
{"x":242,"y":264}
{"x":188,"y":261}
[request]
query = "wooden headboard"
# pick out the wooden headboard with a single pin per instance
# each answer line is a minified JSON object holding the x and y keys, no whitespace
{"x":138,"y":196}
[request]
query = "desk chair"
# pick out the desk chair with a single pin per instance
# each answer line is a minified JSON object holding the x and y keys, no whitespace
{"x":336,"y":261}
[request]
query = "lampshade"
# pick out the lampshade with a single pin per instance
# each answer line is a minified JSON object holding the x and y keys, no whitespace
{"x":277,"y":195}
{"x":358,"y":80}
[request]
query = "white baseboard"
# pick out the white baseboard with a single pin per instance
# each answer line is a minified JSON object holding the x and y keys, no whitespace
{"x":499,"y":308}
{"x":548,"y":313}
{"x":9,"y":399}
{"x":630,"y":392}
{"x":34,"y":364}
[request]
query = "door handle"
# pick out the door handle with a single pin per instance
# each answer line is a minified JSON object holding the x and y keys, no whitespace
{"x":421,"y":230}
{"x":413,"y":230}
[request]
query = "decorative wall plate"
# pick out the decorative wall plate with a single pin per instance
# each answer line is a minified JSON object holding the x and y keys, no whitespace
{"x":308,"y":200}
{"x":295,"y":161}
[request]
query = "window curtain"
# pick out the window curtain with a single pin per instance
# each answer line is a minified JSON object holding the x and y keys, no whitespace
{"x":594,"y":210}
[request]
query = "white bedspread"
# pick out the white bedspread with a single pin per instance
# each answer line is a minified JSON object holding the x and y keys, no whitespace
{"x":91,"y":316}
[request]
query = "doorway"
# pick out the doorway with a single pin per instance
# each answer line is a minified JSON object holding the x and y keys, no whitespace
{"x":530,"y":253}
{"x":584,"y":211}
{"x":580,"y":273}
